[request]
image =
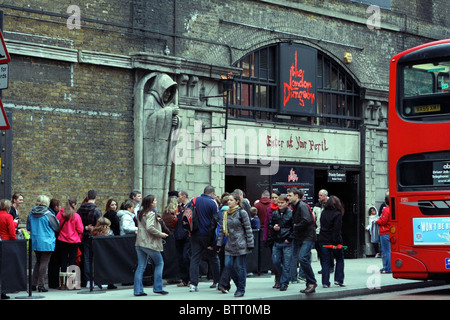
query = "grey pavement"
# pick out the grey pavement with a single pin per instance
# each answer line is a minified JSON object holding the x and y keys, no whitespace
{"x":361,"y":277}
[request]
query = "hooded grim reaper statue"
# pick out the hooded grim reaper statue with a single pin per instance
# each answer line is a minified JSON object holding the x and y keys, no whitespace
{"x":158,"y":122}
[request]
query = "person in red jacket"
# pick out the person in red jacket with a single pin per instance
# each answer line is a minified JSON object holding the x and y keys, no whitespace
{"x":262,"y":205}
{"x":384,"y":226}
{"x":7,"y":224}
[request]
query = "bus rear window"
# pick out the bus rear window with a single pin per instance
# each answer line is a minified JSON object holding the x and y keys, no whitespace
{"x":425,"y":91}
{"x":421,"y":172}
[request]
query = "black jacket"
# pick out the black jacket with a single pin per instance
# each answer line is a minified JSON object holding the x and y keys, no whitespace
{"x":304,"y":224}
{"x":330,"y":227}
{"x":89,"y":213}
{"x":286,"y":226}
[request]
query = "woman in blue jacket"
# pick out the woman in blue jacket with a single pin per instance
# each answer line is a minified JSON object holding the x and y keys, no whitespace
{"x":42,"y":225}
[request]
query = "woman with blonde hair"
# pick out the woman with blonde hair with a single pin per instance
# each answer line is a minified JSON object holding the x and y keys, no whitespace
{"x":42,"y":225}
{"x":169,"y":214}
{"x":102,"y":228}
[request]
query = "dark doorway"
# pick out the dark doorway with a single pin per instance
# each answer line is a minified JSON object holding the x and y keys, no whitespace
{"x":248,"y":179}
{"x":235,"y":182}
{"x":349,"y":193}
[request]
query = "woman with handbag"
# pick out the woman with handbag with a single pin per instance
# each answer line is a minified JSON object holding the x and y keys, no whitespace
{"x":236,"y":227}
{"x":149,"y":244}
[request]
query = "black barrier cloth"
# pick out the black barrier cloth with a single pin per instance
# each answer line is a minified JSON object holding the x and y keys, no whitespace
{"x":13,"y":261}
{"x":114,"y":259}
{"x":171,"y":268}
{"x":252,"y":258}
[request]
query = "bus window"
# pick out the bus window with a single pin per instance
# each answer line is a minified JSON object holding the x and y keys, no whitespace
{"x":425,"y":171}
{"x":417,"y":81}
{"x":424,"y":93}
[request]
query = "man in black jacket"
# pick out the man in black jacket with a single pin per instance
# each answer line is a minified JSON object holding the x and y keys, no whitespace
{"x":281,"y":228}
{"x":89,"y":213}
{"x":305,"y":235}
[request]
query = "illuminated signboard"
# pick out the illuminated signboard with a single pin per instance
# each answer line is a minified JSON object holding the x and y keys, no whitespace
{"x":298,"y":67}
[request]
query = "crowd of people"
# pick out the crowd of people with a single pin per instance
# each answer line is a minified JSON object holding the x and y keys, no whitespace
{"x":62,"y":236}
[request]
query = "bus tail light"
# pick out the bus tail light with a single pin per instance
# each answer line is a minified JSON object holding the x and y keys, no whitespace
{"x":393,"y":240}
{"x":393,"y":237}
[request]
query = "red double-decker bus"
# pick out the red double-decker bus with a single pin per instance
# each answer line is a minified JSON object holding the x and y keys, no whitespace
{"x":419,"y":162}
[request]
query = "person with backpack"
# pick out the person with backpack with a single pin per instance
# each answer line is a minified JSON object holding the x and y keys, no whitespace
{"x":236,"y":227}
{"x":205,"y":219}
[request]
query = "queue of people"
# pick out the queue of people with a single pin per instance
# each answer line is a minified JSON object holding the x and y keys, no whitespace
{"x":223,"y":236}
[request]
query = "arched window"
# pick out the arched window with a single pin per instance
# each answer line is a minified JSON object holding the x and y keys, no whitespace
{"x":331,"y":93}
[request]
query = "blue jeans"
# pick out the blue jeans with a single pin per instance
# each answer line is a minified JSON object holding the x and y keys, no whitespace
{"x":294,"y":263}
{"x":281,"y":258}
{"x":237,"y":268}
{"x":304,"y":257}
{"x":385,"y":252}
{"x":158,"y":264}
{"x":327,"y":255}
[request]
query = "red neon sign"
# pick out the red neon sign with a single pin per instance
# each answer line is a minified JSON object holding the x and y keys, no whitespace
{"x":298,"y":88}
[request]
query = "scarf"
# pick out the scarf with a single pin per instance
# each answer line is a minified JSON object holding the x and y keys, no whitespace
{"x":273,"y":206}
{"x":225,"y":219}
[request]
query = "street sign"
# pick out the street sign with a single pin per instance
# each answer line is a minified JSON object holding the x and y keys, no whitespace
{"x":4,"y":55}
{"x":4,"y":76}
{"x":4,"y":123}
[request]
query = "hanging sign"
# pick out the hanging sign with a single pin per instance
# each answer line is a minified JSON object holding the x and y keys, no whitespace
{"x":298,"y":68}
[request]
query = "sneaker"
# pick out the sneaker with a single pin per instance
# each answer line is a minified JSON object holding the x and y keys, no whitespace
{"x":193,"y":288}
